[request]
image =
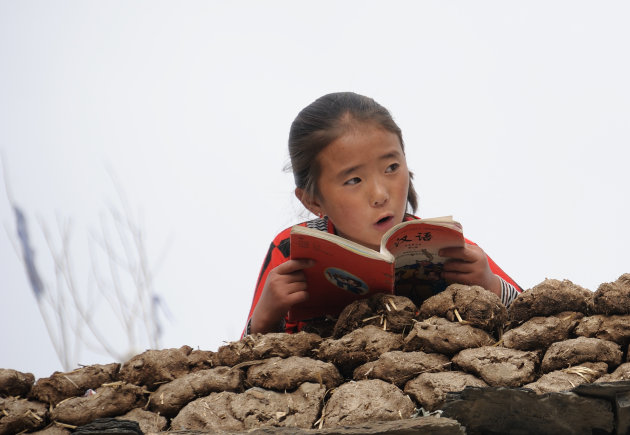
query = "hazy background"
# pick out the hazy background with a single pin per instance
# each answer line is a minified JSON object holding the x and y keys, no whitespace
{"x":516,"y":118}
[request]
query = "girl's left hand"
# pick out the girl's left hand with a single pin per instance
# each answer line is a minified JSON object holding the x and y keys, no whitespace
{"x":469,"y":265}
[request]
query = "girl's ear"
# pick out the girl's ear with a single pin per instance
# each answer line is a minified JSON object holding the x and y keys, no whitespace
{"x":309,"y":202}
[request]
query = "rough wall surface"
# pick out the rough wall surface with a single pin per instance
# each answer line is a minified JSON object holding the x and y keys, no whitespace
{"x":556,"y":361}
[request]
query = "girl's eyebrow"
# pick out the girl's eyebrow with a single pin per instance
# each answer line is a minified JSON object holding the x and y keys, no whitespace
{"x":390,"y":155}
{"x":344,"y":173}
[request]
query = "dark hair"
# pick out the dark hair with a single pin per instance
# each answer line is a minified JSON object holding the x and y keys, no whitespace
{"x":326,"y":120}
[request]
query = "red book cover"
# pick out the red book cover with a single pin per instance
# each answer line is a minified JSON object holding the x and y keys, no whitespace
{"x":345,"y":271}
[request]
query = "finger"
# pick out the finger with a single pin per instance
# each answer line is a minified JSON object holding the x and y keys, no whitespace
{"x":464,"y":253}
{"x":297,"y":297}
{"x":296,"y":287}
{"x":458,"y":266}
{"x":293,"y":265}
{"x":457,"y":277}
{"x":455,"y":253}
{"x":297,"y":276}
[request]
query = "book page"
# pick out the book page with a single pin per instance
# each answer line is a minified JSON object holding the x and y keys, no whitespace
{"x":349,"y":245}
{"x":415,"y":246}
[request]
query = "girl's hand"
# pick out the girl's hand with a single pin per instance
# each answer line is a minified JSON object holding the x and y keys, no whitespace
{"x":285,"y":287}
{"x":469,"y":265}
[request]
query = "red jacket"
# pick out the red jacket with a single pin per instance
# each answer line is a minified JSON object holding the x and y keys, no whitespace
{"x":280,"y":250}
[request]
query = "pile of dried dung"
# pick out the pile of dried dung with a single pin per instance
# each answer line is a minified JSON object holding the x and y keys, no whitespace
{"x":384,"y":360}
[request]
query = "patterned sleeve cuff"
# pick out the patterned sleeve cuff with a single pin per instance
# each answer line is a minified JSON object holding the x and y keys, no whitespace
{"x":508,"y":292}
{"x":248,"y":329}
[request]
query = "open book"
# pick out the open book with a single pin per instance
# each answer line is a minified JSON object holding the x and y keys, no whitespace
{"x":345,"y":271}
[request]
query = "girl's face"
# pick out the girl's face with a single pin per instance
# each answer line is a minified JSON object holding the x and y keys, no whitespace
{"x":363,"y":184}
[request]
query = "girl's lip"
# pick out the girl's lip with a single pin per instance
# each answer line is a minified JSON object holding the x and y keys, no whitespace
{"x":384,"y":221}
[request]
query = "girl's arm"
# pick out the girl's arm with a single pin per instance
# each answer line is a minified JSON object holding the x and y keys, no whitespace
{"x":284,"y":287}
{"x":471,"y":266}
{"x":277,"y":255}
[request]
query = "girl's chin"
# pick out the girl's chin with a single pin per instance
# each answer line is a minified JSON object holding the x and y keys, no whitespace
{"x":370,"y":244}
{"x":375,"y":245}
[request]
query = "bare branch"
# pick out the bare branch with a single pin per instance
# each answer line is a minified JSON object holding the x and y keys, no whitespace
{"x":75,"y":309}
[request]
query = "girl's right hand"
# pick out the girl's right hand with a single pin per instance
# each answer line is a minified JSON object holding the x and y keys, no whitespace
{"x":285,"y":286}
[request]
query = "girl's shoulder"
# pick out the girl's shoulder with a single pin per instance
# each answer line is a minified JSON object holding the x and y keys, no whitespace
{"x":321,"y":224}
{"x":324,"y":224}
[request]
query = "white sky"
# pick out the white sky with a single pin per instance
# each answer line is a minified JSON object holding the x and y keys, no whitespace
{"x":516,"y":117}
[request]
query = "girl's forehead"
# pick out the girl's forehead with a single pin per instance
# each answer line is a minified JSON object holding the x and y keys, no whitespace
{"x":360,"y":148}
{"x":366,"y":137}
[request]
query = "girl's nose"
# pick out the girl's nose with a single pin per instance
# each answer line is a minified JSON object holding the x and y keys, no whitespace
{"x":379,"y":202}
{"x":379,"y":196}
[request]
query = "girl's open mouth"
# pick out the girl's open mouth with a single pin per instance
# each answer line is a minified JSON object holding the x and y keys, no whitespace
{"x":384,"y":221}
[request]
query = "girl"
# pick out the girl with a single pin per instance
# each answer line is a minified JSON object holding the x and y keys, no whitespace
{"x":348,"y":160}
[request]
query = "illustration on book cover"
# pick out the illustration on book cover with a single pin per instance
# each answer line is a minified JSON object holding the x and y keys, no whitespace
{"x":346,"y":281}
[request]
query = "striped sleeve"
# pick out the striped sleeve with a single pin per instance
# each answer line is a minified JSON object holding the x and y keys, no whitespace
{"x":508,"y":292}
{"x":509,"y":288}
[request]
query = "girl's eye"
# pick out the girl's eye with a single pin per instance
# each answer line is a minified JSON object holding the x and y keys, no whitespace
{"x":355,"y":180}
{"x":392,"y":167}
